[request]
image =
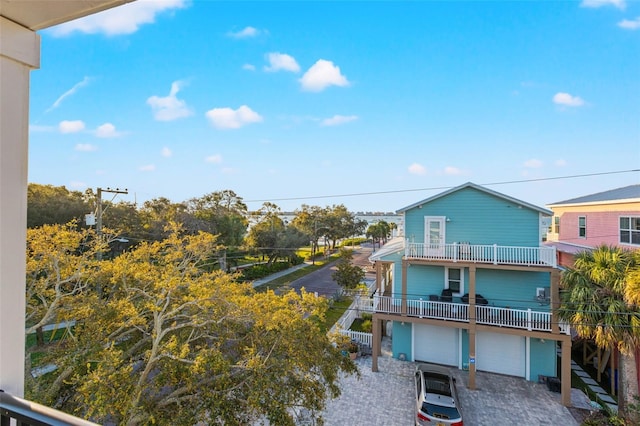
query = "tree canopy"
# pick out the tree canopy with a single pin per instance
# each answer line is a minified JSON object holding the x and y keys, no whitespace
{"x":170,"y":340}
{"x":599,"y":299}
{"x":347,"y":274}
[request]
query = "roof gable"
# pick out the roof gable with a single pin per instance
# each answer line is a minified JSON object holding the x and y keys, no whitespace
{"x":481,"y":189}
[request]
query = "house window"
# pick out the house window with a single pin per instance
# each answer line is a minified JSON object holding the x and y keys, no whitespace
{"x":556,"y":224}
{"x":454,"y":281}
{"x":582,"y":227}
{"x":630,"y":230}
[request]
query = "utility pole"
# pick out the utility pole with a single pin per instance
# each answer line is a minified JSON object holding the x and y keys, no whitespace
{"x":99,"y":211}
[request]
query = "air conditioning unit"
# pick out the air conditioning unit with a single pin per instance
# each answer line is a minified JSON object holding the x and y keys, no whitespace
{"x":543,"y":295}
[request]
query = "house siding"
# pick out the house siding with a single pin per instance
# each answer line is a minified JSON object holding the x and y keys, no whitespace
{"x":543,"y":360}
{"x":514,"y":289}
{"x":401,"y":340}
{"x":602,"y":227}
{"x":478,"y":218}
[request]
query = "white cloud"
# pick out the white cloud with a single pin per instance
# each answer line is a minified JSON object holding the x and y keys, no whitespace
{"x":560,"y":163}
{"x":281,"y":61}
{"x":227,"y":118}
{"x":71,"y":126}
{"x":166,"y":152}
{"x":632,"y":24}
{"x":215,"y":159}
{"x":566,"y":99}
{"x":452,"y":171}
{"x":148,"y":168}
{"x":417,"y":169}
{"x":620,"y":4}
{"x":107,"y":130}
{"x":86,"y":147}
{"x":227,"y":171}
{"x":125,"y":19}
{"x":338,"y":119}
{"x":169,"y":108}
{"x":321,"y":75}
{"x":533,"y":163}
{"x":246,"y":32}
{"x":77,"y":184}
{"x":69,"y":92}
{"x":249,"y":67}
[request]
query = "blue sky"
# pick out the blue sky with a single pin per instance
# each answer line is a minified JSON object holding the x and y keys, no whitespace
{"x":308,"y":102}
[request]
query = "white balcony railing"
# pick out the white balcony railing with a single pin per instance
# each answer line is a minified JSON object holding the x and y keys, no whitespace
{"x":483,"y":253}
{"x":526,"y":319}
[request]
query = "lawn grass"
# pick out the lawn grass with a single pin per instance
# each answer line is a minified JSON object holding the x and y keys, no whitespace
{"x":48,"y":336}
{"x":356,"y":325}
{"x":334,"y":312}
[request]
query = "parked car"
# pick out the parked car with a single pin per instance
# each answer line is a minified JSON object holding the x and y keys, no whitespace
{"x":436,"y":397}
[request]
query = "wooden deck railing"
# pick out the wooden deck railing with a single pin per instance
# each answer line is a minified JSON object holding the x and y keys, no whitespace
{"x":483,"y":253}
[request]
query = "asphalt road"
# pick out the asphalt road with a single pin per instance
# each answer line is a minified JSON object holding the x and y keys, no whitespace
{"x":320,"y":281}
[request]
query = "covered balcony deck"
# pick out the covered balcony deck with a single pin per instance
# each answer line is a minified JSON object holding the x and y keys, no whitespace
{"x":483,"y":253}
{"x":526,"y":319}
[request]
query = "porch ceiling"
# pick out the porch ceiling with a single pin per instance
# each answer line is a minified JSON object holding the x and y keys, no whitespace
{"x":40,"y":14}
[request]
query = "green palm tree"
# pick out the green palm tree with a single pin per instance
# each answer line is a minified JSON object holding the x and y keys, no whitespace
{"x":595,"y":301}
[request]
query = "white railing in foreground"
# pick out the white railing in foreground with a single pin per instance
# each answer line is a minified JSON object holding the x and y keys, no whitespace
{"x":526,"y":319}
{"x":347,"y":318}
{"x":359,"y":336}
{"x":483,"y":253}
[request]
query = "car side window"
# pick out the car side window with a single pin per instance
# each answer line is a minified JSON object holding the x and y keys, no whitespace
{"x":418,"y":384}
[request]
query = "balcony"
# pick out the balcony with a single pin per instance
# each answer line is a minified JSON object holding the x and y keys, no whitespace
{"x":483,"y":253}
{"x":525,"y":319}
{"x":30,"y":413}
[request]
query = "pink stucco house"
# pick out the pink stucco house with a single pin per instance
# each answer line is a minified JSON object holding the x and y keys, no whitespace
{"x":610,"y":217}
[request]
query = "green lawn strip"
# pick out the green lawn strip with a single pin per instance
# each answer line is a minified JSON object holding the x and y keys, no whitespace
{"x":335,"y":311}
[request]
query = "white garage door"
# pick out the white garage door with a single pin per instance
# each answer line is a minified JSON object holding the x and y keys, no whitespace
{"x":438,"y":345}
{"x":501,"y":353}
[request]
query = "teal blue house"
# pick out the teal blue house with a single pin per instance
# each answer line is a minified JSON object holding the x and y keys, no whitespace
{"x":470,"y":285}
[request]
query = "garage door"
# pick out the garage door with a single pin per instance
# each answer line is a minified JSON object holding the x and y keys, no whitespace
{"x":501,"y":353}
{"x":435,"y":344}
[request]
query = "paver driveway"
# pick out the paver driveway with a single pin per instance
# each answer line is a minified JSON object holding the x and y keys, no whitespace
{"x":386,"y":398}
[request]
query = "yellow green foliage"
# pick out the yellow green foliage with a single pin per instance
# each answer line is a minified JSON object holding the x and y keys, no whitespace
{"x":168,"y":340}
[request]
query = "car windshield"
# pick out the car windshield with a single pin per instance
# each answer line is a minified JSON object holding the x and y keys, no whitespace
{"x":436,"y":383}
{"x":440,"y":411}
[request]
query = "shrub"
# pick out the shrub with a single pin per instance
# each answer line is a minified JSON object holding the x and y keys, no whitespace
{"x":263,"y":270}
{"x":367,"y":326}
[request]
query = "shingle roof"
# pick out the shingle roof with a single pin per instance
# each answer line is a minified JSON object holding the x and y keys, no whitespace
{"x":624,"y":193}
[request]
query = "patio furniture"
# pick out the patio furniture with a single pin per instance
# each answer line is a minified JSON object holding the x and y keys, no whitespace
{"x":480,"y":300}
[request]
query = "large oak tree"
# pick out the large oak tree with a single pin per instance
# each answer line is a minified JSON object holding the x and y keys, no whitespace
{"x":171,"y":343}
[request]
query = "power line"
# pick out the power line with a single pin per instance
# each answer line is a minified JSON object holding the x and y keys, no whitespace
{"x":434,"y":188}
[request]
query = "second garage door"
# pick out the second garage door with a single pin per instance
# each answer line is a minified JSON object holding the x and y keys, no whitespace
{"x":438,"y":345}
{"x":501,"y":353}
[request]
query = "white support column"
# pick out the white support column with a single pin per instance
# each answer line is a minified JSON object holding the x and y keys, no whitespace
{"x":19,"y":54}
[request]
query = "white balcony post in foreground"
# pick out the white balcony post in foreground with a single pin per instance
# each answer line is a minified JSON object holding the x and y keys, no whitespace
{"x":19,"y":54}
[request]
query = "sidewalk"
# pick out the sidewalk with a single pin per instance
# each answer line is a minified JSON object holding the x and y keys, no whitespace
{"x":262,"y":281}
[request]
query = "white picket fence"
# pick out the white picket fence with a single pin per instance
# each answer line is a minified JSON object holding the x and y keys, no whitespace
{"x":350,"y":315}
